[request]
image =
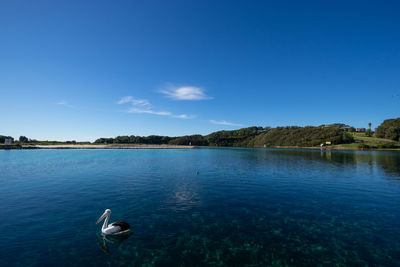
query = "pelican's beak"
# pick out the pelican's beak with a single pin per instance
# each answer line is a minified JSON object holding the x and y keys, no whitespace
{"x":101,"y":218}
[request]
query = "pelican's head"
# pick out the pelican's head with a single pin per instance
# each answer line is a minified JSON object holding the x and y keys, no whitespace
{"x":106,"y":213}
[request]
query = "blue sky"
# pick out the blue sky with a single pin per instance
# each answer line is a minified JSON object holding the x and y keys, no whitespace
{"x":87,"y":69}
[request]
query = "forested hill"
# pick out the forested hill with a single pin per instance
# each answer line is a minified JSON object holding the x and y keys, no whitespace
{"x":301,"y":136}
{"x":247,"y":137}
{"x":280,"y":136}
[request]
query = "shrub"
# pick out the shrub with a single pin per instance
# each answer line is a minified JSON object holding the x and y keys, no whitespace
{"x":363,"y":146}
{"x":387,"y":145}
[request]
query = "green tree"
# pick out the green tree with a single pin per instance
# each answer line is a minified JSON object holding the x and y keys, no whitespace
{"x":389,"y":129}
{"x":23,"y":139}
{"x":194,"y":140}
{"x":3,"y":139}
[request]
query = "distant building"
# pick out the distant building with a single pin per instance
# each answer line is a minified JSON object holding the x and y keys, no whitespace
{"x":7,"y":141}
{"x":360,"y":130}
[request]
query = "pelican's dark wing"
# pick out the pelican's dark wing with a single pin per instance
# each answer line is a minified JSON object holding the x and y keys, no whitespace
{"x":123,"y":225}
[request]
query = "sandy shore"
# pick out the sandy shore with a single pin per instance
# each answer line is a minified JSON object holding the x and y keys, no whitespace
{"x":111,"y":146}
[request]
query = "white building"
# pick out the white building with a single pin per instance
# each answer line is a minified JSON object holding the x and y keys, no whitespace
{"x":7,"y":141}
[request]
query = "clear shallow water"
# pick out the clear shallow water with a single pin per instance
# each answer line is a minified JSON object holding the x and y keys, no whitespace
{"x":246,"y":206}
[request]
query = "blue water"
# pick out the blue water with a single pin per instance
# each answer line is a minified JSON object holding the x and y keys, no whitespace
{"x":245,"y":206}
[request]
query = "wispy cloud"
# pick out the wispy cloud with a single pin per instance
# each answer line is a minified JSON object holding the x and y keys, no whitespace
{"x":65,"y":104}
{"x":149,"y":111}
{"x":184,"y":116}
{"x":185,"y":93}
{"x":225,"y":123}
{"x":134,"y":101}
{"x":143,"y":106}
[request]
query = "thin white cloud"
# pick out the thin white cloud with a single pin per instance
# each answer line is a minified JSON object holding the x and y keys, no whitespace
{"x":134,"y":101}
{"x":149,"y":111}
{"x":143,"y":106}
{"x":185,"y":93}
{"x":184,"y":116}
{"x":125,"y":99}
{"x":64,"y":103}
{"x":225,"y":123}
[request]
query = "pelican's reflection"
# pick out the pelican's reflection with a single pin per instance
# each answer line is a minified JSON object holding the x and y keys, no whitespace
{"x":105,"y":241}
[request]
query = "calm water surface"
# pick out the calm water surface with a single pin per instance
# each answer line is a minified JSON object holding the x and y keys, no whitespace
{"x":246,"y":206}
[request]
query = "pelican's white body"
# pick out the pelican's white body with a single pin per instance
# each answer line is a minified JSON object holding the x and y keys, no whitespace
{"x":110,"y":229}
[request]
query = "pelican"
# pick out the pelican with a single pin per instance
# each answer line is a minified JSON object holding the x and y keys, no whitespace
{"x":115,"y":228}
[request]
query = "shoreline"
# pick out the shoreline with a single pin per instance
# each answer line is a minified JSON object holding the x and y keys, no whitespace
{"x":336,"y":147}
{"x":109,"y":146}
{"x":165,"y":146}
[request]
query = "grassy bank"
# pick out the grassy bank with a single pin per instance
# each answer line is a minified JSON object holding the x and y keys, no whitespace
{"x":363,"y":141}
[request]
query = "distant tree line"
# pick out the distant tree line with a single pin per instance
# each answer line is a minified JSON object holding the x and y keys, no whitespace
{"x":25,"y":140}
{"x":194,"y":140}
{"x":255,"y":136}
{"x":152,"y":139}
{"x":241,"y":137}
